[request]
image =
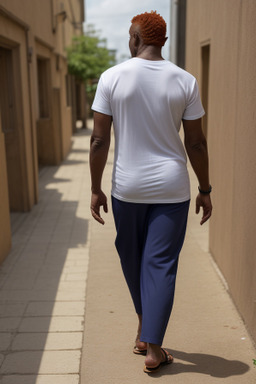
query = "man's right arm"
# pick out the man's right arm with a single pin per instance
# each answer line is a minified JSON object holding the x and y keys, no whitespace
{"x":100,"y":141}
{"x":196,"y":147}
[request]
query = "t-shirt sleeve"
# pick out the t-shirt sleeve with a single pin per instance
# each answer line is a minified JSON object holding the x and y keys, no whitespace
{"x":194,"y":109}
{"x":101,"y":102}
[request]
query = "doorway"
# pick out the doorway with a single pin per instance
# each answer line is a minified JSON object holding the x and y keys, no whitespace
{"x":8,"y":105}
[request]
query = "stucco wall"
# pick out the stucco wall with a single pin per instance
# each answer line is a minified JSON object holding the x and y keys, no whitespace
{"x":229,"y":28}
{"x":5,"y":228}
{"x":30,"y":32}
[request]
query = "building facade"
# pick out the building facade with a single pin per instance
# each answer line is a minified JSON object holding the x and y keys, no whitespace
{"x":221,"y":53}
{"x":39,"y":101}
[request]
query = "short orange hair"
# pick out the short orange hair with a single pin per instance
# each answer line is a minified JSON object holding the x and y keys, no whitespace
{"x":152,"y":28}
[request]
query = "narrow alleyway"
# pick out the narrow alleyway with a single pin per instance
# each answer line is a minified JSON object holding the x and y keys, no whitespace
{"x":58,"y":327}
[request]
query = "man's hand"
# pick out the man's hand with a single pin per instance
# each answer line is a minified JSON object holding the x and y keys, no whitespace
{"x":204,"y":201}
{"x":97,"y":200}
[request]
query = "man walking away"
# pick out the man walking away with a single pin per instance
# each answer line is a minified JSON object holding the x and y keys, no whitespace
{"x":147,"y":98}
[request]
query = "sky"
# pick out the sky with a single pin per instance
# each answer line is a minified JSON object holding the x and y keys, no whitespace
{"x":112,"y":18}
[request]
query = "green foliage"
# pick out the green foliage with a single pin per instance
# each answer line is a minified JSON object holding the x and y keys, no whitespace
{"x":88,"y":57}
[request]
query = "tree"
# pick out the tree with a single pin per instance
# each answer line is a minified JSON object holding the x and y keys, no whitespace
{"x":88,"y":57}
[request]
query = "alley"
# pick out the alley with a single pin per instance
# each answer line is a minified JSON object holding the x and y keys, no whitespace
{"x":65,"y":313}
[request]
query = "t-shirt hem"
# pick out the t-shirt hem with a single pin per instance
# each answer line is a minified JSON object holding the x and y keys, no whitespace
{"x":194,"y":117}
{"x":101,"y":110}
{"x":152,"y":201}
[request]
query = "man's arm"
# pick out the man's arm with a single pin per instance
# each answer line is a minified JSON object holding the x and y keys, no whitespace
{"x":196,"y":147}
{"x":100,"y":141}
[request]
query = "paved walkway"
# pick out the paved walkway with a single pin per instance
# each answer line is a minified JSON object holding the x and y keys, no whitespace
{"x":43,"y":336}
{"x":43,"y":280}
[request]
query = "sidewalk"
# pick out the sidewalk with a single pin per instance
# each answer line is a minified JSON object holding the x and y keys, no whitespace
{"x":43,"y":280}
{"x":43,"y":336}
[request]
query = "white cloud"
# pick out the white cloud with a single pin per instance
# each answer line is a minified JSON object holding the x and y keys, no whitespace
{"x":113,"y":19}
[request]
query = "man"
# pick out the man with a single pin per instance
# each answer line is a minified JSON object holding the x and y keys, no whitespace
{"x":147,"y":98}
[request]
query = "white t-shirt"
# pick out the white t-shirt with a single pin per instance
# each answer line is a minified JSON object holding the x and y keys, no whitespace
{"x":148,"y":100}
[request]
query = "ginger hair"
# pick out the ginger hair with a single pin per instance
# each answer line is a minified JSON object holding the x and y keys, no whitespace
{"x":152,"y":28}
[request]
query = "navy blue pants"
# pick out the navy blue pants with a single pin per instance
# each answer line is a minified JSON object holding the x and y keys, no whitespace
{"x":149,"y":239}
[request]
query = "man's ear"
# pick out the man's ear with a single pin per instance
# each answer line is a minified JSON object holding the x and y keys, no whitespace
{"x":136,"y":39}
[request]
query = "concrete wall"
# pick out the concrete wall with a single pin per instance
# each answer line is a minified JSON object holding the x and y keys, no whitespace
{"x":5,"y":227}
{"x":36,"y":119}
{"x":228,"y":26}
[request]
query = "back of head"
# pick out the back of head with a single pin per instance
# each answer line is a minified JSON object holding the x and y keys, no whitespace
{"x":152,"y":28}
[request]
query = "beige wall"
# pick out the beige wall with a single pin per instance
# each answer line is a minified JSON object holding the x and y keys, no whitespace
{"x":33,"y":32}
{"x":5,"y":228}
{"x":229,"y":27}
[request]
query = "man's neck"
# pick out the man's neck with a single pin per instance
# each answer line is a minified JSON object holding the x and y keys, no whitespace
{"x":150,"y":52}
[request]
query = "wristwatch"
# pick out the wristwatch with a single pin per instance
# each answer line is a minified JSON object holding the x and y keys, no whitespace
{"x":205,"y":192}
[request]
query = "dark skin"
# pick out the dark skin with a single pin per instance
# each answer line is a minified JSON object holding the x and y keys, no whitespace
{"x":100,"y":142}
{"x":196,"y":147}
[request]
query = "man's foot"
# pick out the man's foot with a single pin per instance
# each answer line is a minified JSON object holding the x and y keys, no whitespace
{"x":140,"y":347}
{"x":156,"y":358}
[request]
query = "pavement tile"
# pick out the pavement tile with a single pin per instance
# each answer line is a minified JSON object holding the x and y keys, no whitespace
{"x":31,"y":256}
{"x":9,"y":324}
{"x":43,"y":238}
{"x":39,"y":362}
{"x":19,"y":283}
{"x":19,"y":379}
{"x":1,"y":359}
{"x":75,"y":269}
{"x":5,"y":341}
{"x":40,"y":379}
{"x":20,"y":273}
{"x":29,"y":264}
{"x":50,"y":275}
{"x":68,"y":263}
{"x":81,"y":263}
{"x":29,"y":295}
{"x":62,"y":285}
{"x":75,"y":277}
{"x":52,"y":324}
{"x":12,"y":309}
{"x":47,"y":341}
{"x":68,"y":296}
{"x":57,"y":239}
{"x":52,"y":308}
{"x":72,"y":285}
{"x":77,"y":254}
{"x":50,"y":269}
{"x":32,"y":247}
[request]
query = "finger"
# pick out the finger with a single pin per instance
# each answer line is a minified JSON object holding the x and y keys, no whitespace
{"x":205,"y":217}
{"x":97,"y":217}
{"x":197,"y":208}
{"x":105,"y":207}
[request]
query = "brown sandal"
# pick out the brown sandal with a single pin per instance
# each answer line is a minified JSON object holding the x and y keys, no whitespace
{"x":138,"y":351}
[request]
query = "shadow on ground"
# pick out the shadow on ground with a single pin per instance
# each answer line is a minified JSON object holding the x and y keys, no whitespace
{"x":209,"y":365}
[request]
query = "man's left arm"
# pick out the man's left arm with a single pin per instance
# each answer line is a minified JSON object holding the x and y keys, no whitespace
{"x":196,"y":147}
{"x":100,"y":142}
